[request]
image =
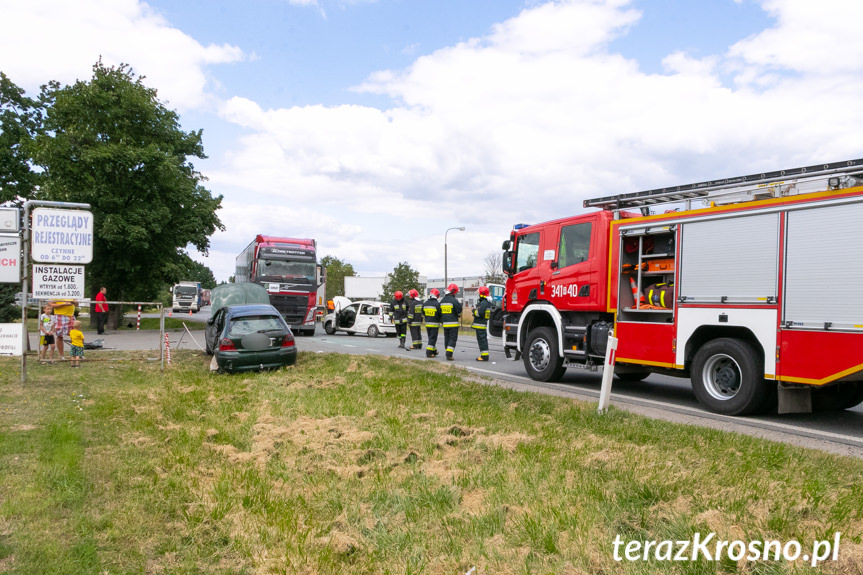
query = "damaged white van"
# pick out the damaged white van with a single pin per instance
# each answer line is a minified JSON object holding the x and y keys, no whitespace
{"x":369,"y":317}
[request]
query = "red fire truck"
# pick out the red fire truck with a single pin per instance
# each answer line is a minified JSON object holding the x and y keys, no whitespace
{"x":287,"y":268}
{"x":754,"y":296}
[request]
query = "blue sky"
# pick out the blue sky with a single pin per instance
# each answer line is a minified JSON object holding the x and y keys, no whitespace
{"x":375,"y":125}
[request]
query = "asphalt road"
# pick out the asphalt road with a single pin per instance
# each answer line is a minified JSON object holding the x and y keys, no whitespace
{"x":657,"y":396}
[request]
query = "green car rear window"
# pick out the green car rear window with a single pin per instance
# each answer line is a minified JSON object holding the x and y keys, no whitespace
{"x":251,"y":324}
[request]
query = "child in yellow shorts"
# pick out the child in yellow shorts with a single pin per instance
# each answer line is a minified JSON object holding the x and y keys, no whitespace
{"x":76,"y":337}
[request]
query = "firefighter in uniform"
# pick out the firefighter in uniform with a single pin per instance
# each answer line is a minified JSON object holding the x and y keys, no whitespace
{"x":480,"y":323}
{"x":400,"y":316}
{"x":415,"y":319}
{"x":432,"y":315}
{"x":450,"y":319}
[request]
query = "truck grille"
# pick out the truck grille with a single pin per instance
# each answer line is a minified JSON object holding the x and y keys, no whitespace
{"x":293,"y":307}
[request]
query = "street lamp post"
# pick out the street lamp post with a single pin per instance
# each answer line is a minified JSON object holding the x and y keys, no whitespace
{"x":445,"y":278}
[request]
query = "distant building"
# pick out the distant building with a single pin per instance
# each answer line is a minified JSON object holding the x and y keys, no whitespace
{"x":467,"y":288}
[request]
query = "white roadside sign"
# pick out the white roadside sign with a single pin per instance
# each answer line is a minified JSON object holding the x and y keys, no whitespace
{"x":9,"y":220}
{"x":11,"y":339}
{"x":61,"y":236}
{"x":10,"y":259}
{"x":58,"y":281}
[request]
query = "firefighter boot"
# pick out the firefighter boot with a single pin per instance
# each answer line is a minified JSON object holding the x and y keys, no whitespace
{"x":483,"y":357}
{"x":402,"y":342}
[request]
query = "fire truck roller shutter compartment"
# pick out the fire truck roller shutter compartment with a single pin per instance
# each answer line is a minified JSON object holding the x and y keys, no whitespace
{"x":821,"y":285}
{"x":730,"y":260}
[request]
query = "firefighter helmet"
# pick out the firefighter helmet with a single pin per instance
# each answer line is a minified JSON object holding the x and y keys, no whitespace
{"x":452,"y":288}
{"x":398,"y":295}
{"x":434,"y":292}
{"x":413,"y":293}
{"x":483,"y":290}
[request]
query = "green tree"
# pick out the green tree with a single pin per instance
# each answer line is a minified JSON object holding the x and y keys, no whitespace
{"x":111,"y":143}
{"x":198,"y":272}
{"x":9,"y":312}
{"x":20,"y":118}
{"x":337,"y":270}
{"x":403,"y":278}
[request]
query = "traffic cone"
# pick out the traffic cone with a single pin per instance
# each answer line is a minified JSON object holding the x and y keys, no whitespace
{"x":636,"y":295}
{"x":190,"y":312}
{"x":171,"y":312}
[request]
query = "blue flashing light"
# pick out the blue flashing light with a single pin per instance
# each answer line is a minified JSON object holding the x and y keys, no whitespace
{"x":519,"y":226}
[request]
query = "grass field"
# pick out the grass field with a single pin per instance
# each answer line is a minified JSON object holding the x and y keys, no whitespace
{"x":346,"y":464}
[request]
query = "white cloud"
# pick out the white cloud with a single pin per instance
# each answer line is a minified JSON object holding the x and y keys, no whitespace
{"x":117,"y":31}
{"x":813,"y":38}
{"x":520,"y":125}
{"x":524,"y":124}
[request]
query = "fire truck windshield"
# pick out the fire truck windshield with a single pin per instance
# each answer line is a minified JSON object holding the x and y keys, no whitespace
{"x":303,"y":272}
{"x":526,"y":251}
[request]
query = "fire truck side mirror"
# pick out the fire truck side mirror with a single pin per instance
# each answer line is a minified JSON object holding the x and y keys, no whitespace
{"x":507,"y":262}
{"x":505,"y":246}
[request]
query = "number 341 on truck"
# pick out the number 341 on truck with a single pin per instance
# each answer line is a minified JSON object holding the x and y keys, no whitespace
{"x":755,"y":297}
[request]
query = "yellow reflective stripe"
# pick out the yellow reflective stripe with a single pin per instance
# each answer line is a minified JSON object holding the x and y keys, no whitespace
{"x":446,"y":307}
{"x":450,"y":325}
{"x":429,"y":324}
{"x":478,"y":326}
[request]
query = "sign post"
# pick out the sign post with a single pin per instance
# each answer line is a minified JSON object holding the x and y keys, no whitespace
{"x":10,"y":258}
{"x":62,"y":236}
{"x":10,"y":220}
{"x":58,"y":281}
{"x":11,"y":339}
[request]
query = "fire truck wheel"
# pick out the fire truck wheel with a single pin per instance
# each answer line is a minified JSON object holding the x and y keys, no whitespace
{"x":329,"y":328}
{"x":837,"y":397}
{"x":540,"y":356}
{"x":727,"y":377}
{"x":373,"y":331}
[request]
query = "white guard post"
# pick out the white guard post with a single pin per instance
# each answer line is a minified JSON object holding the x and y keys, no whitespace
{"x":607,"y":375}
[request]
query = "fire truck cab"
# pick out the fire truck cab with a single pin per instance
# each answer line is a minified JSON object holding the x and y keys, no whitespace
{"x":753,"y":296}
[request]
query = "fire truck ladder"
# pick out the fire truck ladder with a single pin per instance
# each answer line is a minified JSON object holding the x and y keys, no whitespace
{"x":739,"y":189}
